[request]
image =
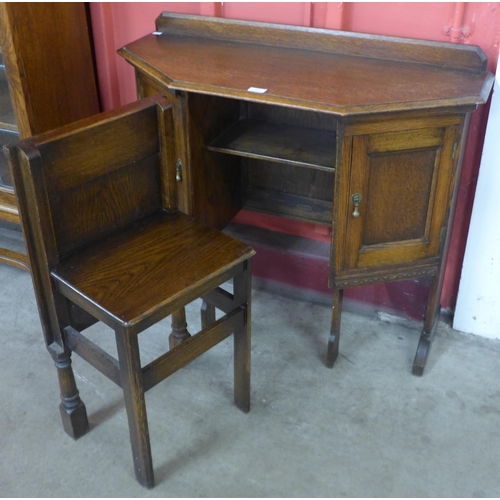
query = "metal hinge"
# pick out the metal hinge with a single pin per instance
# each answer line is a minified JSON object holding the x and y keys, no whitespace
{"x":178,"y":170}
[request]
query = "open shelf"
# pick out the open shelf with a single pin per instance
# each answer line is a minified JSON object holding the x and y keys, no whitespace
{"x":301,"y":146}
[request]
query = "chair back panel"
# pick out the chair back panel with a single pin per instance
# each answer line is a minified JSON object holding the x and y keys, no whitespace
{"x":102,"y":177}
{"x":99,"y":148}
{"x":100,"y":206}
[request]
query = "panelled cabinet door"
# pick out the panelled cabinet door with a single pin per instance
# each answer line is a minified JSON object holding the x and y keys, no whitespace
{"x":147,"y":87}
{"x":400,"y":189}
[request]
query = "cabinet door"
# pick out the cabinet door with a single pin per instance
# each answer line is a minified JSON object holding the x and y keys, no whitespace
{"x":147,"y":87}
{"x":402,"y":184}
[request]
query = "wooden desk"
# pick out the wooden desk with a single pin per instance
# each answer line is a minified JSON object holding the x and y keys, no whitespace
{"x":361,"y":132}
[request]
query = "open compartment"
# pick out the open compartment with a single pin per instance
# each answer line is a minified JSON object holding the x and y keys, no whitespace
{"x":285,"y":158}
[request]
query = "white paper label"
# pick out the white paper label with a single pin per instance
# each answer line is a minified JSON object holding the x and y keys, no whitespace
{"x":257,"y":90}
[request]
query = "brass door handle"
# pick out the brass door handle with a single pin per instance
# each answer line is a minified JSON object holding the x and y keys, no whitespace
{"x":356,"y":199}
{"x":178,"y":170}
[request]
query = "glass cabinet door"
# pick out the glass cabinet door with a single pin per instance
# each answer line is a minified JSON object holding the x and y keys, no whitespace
{"x":12,"y":249}
{"x":8,"y":127}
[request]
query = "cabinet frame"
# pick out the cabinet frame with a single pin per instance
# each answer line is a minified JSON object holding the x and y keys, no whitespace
{"x":381,"y":93}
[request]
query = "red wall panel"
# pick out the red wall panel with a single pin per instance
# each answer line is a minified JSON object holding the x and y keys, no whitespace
{"x":298,"y":13}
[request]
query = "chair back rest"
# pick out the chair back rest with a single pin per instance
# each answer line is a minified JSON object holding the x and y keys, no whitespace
{"x":92,"y":178}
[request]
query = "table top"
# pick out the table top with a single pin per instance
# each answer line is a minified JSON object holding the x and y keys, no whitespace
{"x":337,"y":72}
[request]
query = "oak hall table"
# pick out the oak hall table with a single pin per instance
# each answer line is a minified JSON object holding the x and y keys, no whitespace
{"x":359,"y":132}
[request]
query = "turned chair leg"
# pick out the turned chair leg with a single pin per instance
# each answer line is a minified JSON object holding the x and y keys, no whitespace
{"x":73,"y":412}
{"x":207,"y":314}
{"x":333,"y":341}
{"x":131,"y":378}
{"x":179,"y":328}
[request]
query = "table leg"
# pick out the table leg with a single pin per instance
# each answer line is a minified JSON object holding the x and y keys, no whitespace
{"x":430,"y":324}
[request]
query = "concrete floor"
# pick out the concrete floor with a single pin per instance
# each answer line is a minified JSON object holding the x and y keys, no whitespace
{"x":367,"y":428}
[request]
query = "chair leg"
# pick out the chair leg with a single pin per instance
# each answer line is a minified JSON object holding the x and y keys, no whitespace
{"x":333,"y":340}
{"x":73,"y":412}
{"x":242,"y":368}
{"x":179,"y":328}
{"x":131,"y":378}
{"x":242,"y":342}
{"x":207,"y":314}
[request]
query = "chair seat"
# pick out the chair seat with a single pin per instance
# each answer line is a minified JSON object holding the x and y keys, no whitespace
{"x":139,"y":274}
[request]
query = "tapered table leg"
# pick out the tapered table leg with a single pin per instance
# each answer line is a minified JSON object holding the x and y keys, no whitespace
{"x":430,"y":325}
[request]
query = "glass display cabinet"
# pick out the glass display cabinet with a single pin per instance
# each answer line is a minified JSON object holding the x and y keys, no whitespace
{"x":12,"y":249}
{"x":47,"y":79}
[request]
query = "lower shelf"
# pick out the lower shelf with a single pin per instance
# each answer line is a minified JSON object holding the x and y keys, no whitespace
{"x":298,"y":267}
{"x":288,"y":205}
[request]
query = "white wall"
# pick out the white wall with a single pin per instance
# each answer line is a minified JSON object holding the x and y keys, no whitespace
{"x":478,"y":303}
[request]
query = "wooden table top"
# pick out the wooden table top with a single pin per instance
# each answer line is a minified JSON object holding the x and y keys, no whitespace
{"x":316,"y":74}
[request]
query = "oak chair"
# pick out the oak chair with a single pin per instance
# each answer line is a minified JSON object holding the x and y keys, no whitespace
{"x":98,"y":206}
